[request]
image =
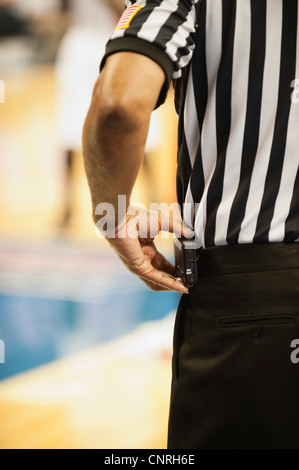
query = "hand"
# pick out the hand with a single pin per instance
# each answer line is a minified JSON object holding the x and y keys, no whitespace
{"x":134,"y":243}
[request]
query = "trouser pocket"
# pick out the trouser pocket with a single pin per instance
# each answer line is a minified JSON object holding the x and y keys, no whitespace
{"x":235,"y":321}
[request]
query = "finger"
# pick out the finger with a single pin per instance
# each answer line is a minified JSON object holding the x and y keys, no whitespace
{"x":175,"y":226}
{"x":162,"y":264}
{"x":162,"y":280}
{"x":155,"y":287}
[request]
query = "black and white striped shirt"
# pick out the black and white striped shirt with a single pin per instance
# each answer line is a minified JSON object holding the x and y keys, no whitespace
{"x":233,"y":63}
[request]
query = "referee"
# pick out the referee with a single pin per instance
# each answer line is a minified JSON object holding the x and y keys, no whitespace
{"x":234,"y":65}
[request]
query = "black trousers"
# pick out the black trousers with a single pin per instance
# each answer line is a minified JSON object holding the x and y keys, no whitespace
{"x":234,"y":385}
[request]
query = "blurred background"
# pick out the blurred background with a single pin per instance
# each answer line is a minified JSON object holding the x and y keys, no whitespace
{"x":87,"y":346}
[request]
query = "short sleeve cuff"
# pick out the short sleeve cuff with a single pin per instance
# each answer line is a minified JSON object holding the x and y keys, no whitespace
{"x":140,"y":46}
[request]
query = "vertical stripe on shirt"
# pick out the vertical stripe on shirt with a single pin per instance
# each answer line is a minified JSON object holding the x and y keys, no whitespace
{"x":223,"y":108}
{"x":253,"y":117}
{"x":287,"y":73}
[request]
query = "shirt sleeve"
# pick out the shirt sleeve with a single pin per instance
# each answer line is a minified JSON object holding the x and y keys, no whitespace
{"x":163,"y":30}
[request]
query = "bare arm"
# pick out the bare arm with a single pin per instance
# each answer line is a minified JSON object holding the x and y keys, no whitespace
{"x":117,"y":124}
{"x":114,"y":140}
{"x":117,"y":5}
{"x":6,"y":3}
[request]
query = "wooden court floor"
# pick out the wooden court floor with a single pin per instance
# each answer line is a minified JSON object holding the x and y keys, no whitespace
{"x":115,"y":396}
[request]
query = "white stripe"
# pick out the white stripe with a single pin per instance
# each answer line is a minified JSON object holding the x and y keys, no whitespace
{"x":183,"y":62}
{"x":240,"y":80}
{"x":119,"y":33}
{"x":158,"y":17}
{"x":209,"y":136}
{"x":191,"y":121}
{"x":193,"y":140}
{"x":290,"y":168}
{"x":189,"y":209}
{"x":268,"y":111}
{"x":180,"y":38}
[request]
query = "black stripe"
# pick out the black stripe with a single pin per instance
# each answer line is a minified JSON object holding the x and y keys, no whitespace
{"x":253,"y":116}
{"x":139,"y":19}
{"x":287,"y":74}
{"x":173,"y":23}
{"x":223,"y":116}
{"x":145,"y":48}
{"x":184,"y":168}
{"x":200,"y":83}
{"x":292,"y":222}
{"x":186,"y":49}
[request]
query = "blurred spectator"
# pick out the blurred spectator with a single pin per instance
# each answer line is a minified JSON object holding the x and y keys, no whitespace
{"x":15,"y":51}
{"x":77,"y":69}
{"x":11,"y":23}
{"x":30,"y":32}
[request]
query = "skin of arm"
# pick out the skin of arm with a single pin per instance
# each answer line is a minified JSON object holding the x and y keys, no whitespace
{"x":114,"y":139}
{"x":117,"y":5}
{"x":7,"y":3}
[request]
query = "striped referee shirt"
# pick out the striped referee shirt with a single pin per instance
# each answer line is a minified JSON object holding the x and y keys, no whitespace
{"x":235,"y":69}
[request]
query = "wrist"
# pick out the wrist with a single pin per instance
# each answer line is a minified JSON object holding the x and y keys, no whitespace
{"x":111,"y":218}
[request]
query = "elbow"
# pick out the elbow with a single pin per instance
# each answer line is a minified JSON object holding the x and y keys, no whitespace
{"x":118,"y":110}
{"x":103,"y":120}
{"x":117,"y":116}
{"x":114,"y":115}
{"x":110,"y":120}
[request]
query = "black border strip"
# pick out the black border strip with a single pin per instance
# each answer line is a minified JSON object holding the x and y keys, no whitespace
{"x":141,"y":46}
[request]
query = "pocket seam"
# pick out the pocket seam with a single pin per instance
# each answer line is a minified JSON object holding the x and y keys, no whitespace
{"x":239,"y":321}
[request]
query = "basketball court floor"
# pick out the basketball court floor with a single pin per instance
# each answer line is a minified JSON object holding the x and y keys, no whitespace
{"x":86,"y":365}
{"x":87,"y":346}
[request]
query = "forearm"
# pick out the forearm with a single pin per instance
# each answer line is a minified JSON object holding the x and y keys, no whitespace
{"x":114,"y":140}
{"x":114,"y":136}
{"x":113,"y":147}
